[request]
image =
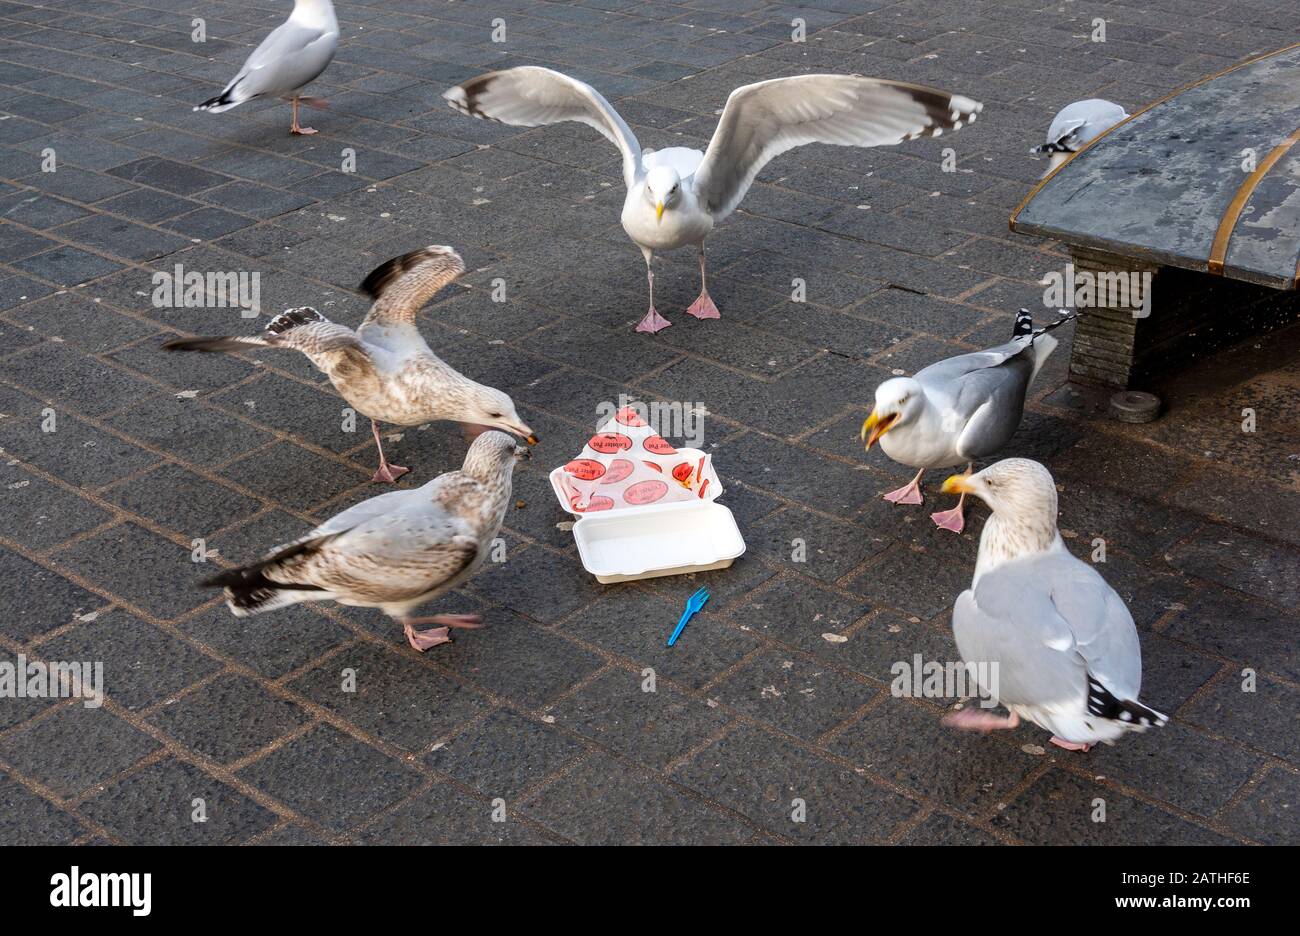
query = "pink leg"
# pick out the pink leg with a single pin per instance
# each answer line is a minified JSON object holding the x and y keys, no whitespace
{"x":1070,"y":745}
{"x":653,"y":321}
{"x":951,"y":519}
{"x":297,"y":128}
{"x":423,"y":640}
{"x":703,"y":307}
{"x":909,"y":493}
{"x":974,"y":719}
{"x":385,"y":472}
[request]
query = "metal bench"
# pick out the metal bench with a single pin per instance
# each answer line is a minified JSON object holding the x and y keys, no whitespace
{"x":1200,"y":191}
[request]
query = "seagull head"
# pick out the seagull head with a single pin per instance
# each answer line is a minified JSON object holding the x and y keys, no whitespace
{"x":897,"y":402}
{"x":494,"y":409}
{"x":1020,"y":491}
{"x":663,"y":189}
{"x":491,"y":454}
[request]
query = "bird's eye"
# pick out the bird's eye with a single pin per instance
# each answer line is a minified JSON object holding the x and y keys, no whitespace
{"x":674,"y":186}
{"x":494,"y":415}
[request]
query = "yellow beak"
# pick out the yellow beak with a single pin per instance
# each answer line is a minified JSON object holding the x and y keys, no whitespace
{"x":956,"y":484}
{"x":877,"y":427}
{"x":659,"y":211}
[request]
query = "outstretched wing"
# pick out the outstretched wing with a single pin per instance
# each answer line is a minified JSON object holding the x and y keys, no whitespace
{"x":329,"y":345}
{"x":763,"y":120}
{"x":530,"y":96}
{"x":401,"y":286}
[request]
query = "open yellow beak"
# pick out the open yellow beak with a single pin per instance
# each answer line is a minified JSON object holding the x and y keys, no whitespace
{"x":659,"y":211}
{"x":957,"y":484}
{"x":877,"y":427}
{"x":532,"y":439}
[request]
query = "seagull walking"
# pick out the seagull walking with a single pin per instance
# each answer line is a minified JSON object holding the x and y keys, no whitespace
{"x":1077,"y":125}
{"x":385,"y":369}
{"x":676,"y":195}
{"x":957,"y":410}
{"x":1056,"y":644}
{"x":292,"y":56}
{"x":394,"y":552}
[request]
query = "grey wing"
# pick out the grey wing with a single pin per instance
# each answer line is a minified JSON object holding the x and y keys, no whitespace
{"x":765,"y":119}
{"x":290,"y":57}
{"x":399,"y":287}
{"x":992,"y":402}
{"x":531,"y":96}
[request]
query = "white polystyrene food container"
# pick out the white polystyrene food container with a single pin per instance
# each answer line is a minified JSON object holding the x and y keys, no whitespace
{"x":676,"y":538}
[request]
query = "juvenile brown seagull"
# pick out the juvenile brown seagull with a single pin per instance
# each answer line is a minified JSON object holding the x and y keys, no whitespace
{"x":384,"y":369}
{"x":393,"y":552}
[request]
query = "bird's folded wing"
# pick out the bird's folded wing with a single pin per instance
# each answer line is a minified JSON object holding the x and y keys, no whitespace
{"x":765,"y":119}
{"x":989,"y":403}
{"x":531,"y":96}
{"x":396,"y":556}
{"x":1060,"y":132}
{"x":280,"y":55}
{"x":1055,"y":613}
{"x":401,"y":286}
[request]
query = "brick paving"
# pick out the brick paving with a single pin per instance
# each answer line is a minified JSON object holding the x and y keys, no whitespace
{"x":543,"y":711}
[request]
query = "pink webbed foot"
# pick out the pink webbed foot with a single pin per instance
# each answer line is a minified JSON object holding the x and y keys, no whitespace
{"x":653,"y":322}
{"x":908,"y":494}
{"x":703,"y":307}
{"x":423,"y":640}
{"x":1071,"y":745}
{"x":974,"y":719}
{"x":387,"y":473}
{"x":302,"y":131}
{"x":950,"y":519}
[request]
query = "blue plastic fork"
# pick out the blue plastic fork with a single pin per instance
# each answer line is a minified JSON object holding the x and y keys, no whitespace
{"x":693,"y":604}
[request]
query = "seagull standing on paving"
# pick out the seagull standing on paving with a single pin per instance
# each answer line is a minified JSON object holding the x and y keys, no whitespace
{"x":394,"y":552}
{"x":1064,"y":645}
{"x":293,"y":55}
{"x":957,"y":410}
{"x":1076,"y":126}
{"x":384,"y":369}
{"x":676,"y":195}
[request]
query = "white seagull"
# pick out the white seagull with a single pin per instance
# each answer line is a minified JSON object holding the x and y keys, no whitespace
{"x":293,"y":55}
{"x":676,"y":195}
{"x":1059,"y":639}
{"x":957,"y":410}
{"x":394,"y":552}
{"x":1077,"y":125}
{"x":385,"y":369}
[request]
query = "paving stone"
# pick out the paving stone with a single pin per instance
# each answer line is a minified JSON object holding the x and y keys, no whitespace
{"x":803,"y":698}
{"x":447,"y":816}
{"x":637,"y":809}
{"x":270,"y":646}
{"x":27,"y":819}
{"x":66,"y":266}
{"x":293,"y":476}
{"x":332,"y":778}
{"x":53,"y":751}
{"x":156,"y":806}
{"x":1058,"y":809}
{"x":182,"y":501}
{"x":1246,"y":564}
{"x":1241,"y":629}
{"x":1263,"y":718}
{"x":41,"y":513}
{"x":61,"y":601}
{"x":76,"y":319}
{"x":1267,"y":812}
{"x":371,"y":687}
{"x":652,"y":727}
{"x":770,"y":781}
{"x":538,"y":583}
{"x":229,"y":718}
{"x":143,"y":665}
{"x":504,"y":754}
{"x":65,"y":376}
{"x":939,"y":829}
{"x":188,"y":430}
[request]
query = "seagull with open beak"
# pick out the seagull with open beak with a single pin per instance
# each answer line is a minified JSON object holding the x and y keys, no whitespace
{"x":956,"y":411}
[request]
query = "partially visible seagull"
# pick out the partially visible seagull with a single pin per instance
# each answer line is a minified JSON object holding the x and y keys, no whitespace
{"x":384,"y":369}
{"x":1055,"y":643}
{"x":1077,"y":125}
{"x":957,"y":410}
{"x":393,"y":552}
{"x":676,"y":195}
{"x":293,"y":55}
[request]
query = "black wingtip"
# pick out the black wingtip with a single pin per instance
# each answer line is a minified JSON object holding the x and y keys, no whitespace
{"x":1024,"y":324}
{"x":382,"y":276}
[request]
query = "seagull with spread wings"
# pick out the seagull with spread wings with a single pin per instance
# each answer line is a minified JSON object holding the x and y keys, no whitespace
{"x":394,"y":552}
{"x":385,"y":369}
{"x":676,"y":195}
{"x":293,"y":55}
